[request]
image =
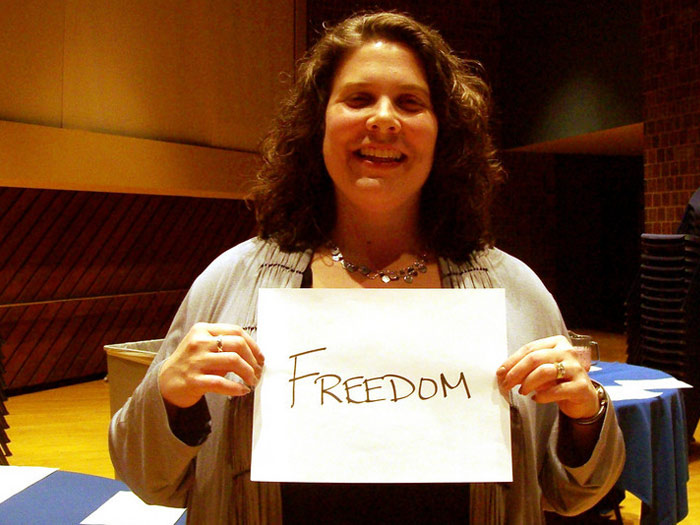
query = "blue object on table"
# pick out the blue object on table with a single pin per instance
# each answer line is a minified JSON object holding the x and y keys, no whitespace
{"x":61,"y":498}
{"x":656,"y":468}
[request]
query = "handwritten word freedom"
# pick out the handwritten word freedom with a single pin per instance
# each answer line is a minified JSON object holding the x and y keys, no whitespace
{"x":371,"y":389}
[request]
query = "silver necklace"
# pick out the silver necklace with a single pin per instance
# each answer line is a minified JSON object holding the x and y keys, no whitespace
{"x":386,"y":276}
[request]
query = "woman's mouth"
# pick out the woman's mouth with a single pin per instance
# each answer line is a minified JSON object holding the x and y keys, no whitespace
{"x":380,"y":155}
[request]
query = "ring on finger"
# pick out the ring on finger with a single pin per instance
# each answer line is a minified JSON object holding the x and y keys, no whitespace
{"x":561,"y":370}
{"x":219,"y":344}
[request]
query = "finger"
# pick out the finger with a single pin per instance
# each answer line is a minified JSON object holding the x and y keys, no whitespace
{"x":253,"y":345}
{"x":231,"y":353}
{"x":216,"y":329}
{"x":220,"y":385}
{"x":224,"y":362}
{"x":527,"y":365}
{"x":539,"y":344}
{"x":543,"y":377}
{"x":241,"y":346}
{"x":575,"y":398}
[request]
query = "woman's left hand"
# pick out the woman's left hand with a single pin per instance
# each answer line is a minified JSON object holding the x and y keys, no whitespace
{"x":534,"y":367}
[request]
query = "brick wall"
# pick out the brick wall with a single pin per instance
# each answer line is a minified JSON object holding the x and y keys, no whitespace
{"x":671,"y":49}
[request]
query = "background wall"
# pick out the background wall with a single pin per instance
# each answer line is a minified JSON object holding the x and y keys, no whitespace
{"x":116,"y":120}
{"x":205,"y":73}
{"x":79,"y":270}
{"x":570,"y":68}
{"x":576,"y":221}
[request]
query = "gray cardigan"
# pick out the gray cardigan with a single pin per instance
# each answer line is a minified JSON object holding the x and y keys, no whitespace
{"x":212,"y":479}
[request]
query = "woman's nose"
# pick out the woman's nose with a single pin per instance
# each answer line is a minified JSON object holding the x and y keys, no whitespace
{"x":384,"y":118}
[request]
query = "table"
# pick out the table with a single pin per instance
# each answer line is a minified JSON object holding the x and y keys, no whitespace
{"x":656,"y":467}
{"x":61,"y":498}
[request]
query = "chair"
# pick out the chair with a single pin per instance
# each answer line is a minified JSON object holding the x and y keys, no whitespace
{"x":663,"y":307}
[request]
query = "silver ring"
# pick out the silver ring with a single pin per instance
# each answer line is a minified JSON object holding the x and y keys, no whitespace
{"x":219,"y":343}
{"x":561,"y":371}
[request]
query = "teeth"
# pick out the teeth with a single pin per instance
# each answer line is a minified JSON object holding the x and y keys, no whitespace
{"x":384,"y":154}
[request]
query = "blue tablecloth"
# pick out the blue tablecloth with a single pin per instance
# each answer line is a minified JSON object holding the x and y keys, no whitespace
{"x":656,"y":468}
{"x":61,"y":498}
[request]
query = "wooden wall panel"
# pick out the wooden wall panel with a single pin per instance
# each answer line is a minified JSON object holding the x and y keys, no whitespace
{"x":196,"y":72}
{"x":84,"y":82}
{"x":192,"y":71}
{"x":66,"y":159}
{"x":31,"y":61}
{"x":79,"y":270}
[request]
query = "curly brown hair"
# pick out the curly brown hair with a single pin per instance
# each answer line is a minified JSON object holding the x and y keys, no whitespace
{"x":294,"y":198}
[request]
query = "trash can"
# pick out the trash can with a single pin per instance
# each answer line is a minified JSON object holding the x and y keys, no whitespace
{"x":126,"y":365}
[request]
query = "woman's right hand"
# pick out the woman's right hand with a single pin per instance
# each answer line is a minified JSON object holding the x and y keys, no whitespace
{"x":202,"y":359}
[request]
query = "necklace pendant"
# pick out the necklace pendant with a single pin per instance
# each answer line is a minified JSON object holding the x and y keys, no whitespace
{"x":385,"y":278}
{"x":408,"y":278}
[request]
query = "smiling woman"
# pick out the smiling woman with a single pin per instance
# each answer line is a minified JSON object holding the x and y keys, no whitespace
{"x":296,"y":201}
{"x":378,"y":174}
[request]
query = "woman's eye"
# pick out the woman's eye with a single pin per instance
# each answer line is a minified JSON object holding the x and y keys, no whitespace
{"x":411,"y":103}
{"x":357,"y":101}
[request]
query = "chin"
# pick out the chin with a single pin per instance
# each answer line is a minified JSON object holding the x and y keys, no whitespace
{"x":371,"y":183}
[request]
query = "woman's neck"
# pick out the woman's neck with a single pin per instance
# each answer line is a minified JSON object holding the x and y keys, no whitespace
{"x":377,"y":239}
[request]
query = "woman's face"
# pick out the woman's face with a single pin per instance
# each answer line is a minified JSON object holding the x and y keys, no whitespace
{"x":380,"y":129}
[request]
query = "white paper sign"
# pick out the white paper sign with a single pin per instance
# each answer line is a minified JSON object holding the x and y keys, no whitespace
{"x":381,"y":386}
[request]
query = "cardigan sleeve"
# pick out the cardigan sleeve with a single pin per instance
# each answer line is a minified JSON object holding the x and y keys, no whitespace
{"x":532,"y":313}
{"x":147,"y":456}
{"x":153,"y":455}
{"x":571,"y":490}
